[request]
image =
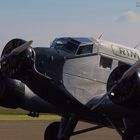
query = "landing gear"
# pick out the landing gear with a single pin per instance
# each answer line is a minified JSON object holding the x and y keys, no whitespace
{"x":61,"y":130}
{"x":65,"y":129}
{"x":51,"y":131}
{"x":132,"y":133}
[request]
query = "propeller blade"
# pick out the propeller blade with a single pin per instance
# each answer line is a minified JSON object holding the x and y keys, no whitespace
{"x":21,"y":48}
{"x":104,"y":96}
{"x":17,"y":50}
{"x":131,"y":70}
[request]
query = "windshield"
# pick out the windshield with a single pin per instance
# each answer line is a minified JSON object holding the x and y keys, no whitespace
{"x":70,"y":47}
{"x":85,"y":49}
{"x":66,"y":44}
{"x":74,"y":46}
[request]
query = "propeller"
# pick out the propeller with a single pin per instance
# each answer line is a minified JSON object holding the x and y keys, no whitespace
{"x":127,"y":74}
{"x":17,"y":50}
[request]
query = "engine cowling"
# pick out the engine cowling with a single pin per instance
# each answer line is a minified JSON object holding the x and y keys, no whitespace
{"x":128,"y":91}
{"x":15,"y":65}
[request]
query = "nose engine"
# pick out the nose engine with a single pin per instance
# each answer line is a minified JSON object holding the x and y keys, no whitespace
{"x":128,"y":91}
{"x":13,"y":93}
{"x":17,"y":62}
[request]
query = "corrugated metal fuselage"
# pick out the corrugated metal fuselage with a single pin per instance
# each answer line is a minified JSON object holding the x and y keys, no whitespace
{"x":85,"y":79}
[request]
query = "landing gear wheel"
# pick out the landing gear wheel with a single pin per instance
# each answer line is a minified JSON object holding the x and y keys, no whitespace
{"x":52,"y":131}
{"x":132,"y":134}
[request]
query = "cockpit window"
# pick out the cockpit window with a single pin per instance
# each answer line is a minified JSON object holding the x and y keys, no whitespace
{"x":74,"y":46}
{"x":85,"y":49}
{"x":59,"y":44}
{"x":68,"y":45}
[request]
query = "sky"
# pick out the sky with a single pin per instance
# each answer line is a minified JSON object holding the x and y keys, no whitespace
{"x":44,"y":20}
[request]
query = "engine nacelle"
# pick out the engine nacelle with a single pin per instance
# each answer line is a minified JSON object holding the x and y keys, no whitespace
{"x":15,"y":94}
{"x":128,"y":91}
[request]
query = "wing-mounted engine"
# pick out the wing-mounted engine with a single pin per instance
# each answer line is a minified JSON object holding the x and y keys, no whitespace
{"x":128,"y":91}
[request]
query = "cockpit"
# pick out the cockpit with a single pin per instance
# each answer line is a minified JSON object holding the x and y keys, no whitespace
{"x":75,"y":46}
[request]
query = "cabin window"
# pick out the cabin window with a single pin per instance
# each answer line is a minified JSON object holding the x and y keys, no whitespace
{"x":105,"y":62}
{"x":85,"y":49}
{"x":121,"y":63}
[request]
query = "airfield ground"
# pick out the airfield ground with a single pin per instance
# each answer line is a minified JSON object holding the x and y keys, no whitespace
{"x":21,"y":128}
{"x":15,"y":125}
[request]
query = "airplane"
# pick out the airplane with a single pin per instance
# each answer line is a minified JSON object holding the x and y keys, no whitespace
{"x":82,"y":79}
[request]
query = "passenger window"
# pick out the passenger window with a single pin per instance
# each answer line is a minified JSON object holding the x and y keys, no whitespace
{"x":106,"y":62}
{"x":85,"y":49}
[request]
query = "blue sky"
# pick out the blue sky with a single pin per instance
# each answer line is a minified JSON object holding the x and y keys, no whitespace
{"x":44,"y":20}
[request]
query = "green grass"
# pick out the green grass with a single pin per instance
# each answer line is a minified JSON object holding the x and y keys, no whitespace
{"x":19,"y":114}
{"x":28,"y":118}
{"x":12,"y":111}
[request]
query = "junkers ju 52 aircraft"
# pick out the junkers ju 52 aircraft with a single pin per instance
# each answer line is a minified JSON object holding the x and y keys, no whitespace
{"x":83,"y":79}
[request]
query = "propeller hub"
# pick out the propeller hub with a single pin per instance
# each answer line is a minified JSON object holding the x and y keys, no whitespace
{"x":127,"y":91}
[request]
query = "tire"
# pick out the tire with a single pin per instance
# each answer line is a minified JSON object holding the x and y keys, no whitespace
{"x":132,"y":134}
{"x":52,"y":131}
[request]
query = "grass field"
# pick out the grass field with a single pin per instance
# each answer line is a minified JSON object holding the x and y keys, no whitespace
{"x":26,"y":118}
{"x":19,"y":114}
{"x":8,"y":111}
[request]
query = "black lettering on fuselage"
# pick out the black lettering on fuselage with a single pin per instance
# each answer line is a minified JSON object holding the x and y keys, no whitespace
{"x":134,"y":55}
{"x":122,"y":51}
{"x":129,"y":53}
